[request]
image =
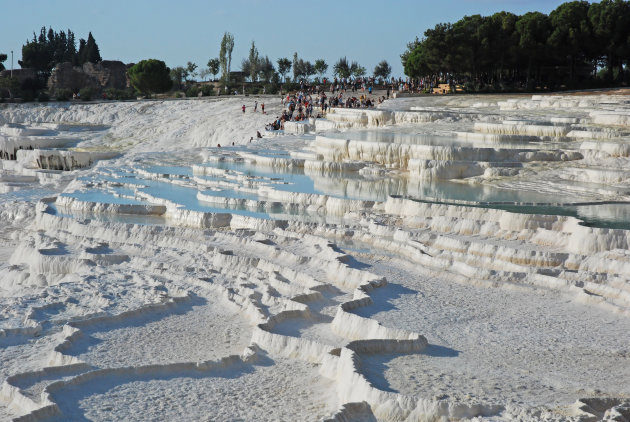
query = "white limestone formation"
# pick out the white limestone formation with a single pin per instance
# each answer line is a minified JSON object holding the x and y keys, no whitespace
{"x":60,"y":160}
{"x":449,"y":258}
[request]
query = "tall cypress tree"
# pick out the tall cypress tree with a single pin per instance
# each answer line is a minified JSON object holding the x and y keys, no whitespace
{"x":82,"y":55}
{"x":61,"y":47}
{"x":71,"y":48}
{"x":48,"y":49}
{"x":93,"y":54}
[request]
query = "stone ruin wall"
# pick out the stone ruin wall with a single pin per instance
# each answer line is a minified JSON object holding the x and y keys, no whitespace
{"x":98,"y":76}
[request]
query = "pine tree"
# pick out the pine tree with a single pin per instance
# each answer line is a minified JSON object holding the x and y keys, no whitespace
{"x":213,"y":66}
{"x":150,"y":76}
{"x":71,"y":48}
{"x":321,"y":67}
{"x":93,"y":54}
{"x":284,"y":65}
{"x":253,"y":62}
{"x":382,"y":70}
{"x":61,"y":46}
{"x":82,"y":54}
{"x":296,"y":67}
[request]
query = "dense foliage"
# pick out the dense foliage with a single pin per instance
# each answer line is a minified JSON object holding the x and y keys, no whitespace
{"x":257,"y":67}
{"x":344,"y":70}
{"x":565,"y":47}
{"x":213,"y":67}
{"x":150,"y":76}
{"x":382,"y":70}
{"x":302,"y":69}
{"x":225,"y":55}
{"x":320,"y":68}
{"x":43,"y":52}
{"x":284,"y":65}
{"x":88,"y":51}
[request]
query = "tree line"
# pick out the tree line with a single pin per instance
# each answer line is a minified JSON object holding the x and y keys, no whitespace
{"x":579,"y":44}
{"x":45,"y":51}
{"x":42,"y":53}
{"x":257,"y":68}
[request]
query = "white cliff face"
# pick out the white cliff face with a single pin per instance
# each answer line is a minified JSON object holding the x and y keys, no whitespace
{"x":436,"y":258}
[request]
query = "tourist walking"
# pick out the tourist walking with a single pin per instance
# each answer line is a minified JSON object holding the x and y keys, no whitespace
{"x":243,"y":108}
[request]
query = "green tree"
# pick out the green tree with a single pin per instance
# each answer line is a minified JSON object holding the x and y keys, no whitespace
{"x":213,"y":66}
{"x":572,"y":33}
{"x":439,"y":49}
{"x":246,"y":67}
{"x":3,"y":58}
{"x":504,"y":44}
{"x":191,"y":71}
{"x":308,"y":69}
{"x":534,"y":29}
{"x":93,"y":53}
{"x":406,"y":56}
{"x":466,"y":46}
{"x":81,"y":54}
{"x":266,"y":69}
{"x":508,"y":49}
{"x":10,"y":85}
{"x":610,"y":20}
{"x":320,"y":67}
{"x":70,"y":52}
{"x":297,"y":69}
{"x":382,"y":70}
{"x":89,"y":51}
{"x":253,"y":63}
{"x":45,"y":51}
{"x":284,"y":65}
{"x":225,"y":55}
{"x":415,"y":62}
{"x":357,"y":70}
{"x":37,"y":54}
{"x":178,"y":75}
{"x":302,"y":68}
{"x":150,"y":76}
{"x":341,"y":68}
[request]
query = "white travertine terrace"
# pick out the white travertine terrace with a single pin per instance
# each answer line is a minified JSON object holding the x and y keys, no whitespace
{"x":433,"y":259}
{"x":60,"y":160}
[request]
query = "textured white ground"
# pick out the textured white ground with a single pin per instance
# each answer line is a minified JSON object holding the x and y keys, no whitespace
{"x":197,"y":331}
{"x":521,"y":345}
{"x":272,"y":391}
{"x":331,"y":295}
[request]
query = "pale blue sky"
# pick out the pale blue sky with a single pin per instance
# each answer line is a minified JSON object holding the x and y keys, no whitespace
{"x":367,"y":31}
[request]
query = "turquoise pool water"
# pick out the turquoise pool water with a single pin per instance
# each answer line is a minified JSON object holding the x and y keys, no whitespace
{"x":176,"y":184}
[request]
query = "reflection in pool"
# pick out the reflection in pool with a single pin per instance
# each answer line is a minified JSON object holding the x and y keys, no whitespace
{"x":232,"y":185}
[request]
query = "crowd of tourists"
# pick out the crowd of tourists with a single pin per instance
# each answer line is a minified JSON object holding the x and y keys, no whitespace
{"x":313,"y":100}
